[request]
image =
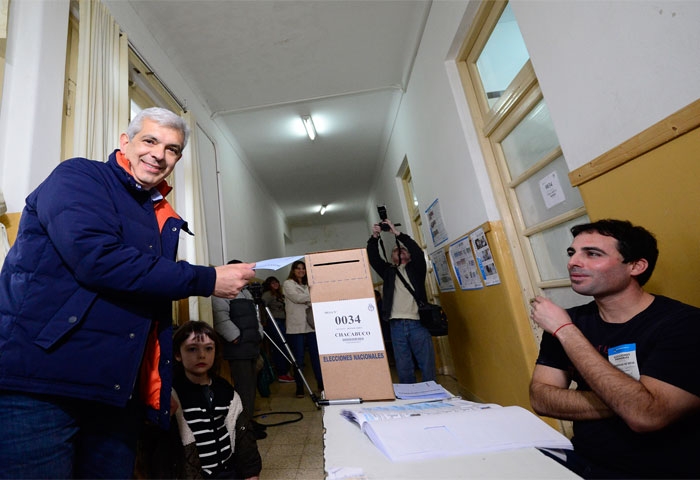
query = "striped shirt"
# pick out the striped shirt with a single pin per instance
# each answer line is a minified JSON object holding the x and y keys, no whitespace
{"x":205,"y":408}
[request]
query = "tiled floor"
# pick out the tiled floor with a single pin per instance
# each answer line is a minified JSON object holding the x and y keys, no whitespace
{"x":295,"y":450}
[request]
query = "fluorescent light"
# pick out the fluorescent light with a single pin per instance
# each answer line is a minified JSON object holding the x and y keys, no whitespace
{"x":309,"y":126}
{"x":323,"y":209}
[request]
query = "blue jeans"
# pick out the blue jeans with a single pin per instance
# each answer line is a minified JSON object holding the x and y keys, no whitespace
{"x":53,"y":437}
{"x":245,"y":381}
{"x":411,"y":339}
{"x":297,"y":343}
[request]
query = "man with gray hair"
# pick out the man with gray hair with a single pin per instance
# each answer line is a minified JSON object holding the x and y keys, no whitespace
{"x":86,"y":312}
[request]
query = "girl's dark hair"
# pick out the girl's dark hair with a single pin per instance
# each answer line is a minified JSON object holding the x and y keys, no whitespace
{"x":183,"y":332}
{"x":633,"y":242}
{"x":266,"y":287}
{"x":304,"y":279}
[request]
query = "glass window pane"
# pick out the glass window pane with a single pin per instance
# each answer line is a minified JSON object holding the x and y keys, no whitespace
{"x":565,"y":297}
{"x":135,"y":109}
{"x":549,"y":248}
{"x":530,"y":141}
{"x":502,"y":57}
{"x":547,"y":194}
{"x":413,"y":194}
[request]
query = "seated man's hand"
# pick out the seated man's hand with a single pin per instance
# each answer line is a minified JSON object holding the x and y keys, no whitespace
{"x":547,"y":314}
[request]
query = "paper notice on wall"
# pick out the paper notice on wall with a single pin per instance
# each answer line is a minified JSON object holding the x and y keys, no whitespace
{"x":484,"y":258}
{"x":435,"y":223}
{"x":442,"y":271}
{"x":551,"y":190}
{"x":464,"y":265}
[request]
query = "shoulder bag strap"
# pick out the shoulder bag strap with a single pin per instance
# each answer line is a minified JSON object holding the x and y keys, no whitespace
{"x":408,"y":287}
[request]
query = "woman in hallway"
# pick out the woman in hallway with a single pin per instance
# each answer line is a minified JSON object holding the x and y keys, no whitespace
{"x":274,"y":300}
{"x":300,"y":334}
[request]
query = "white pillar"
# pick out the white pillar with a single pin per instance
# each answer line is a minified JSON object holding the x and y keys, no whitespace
{"x":32,"y":96}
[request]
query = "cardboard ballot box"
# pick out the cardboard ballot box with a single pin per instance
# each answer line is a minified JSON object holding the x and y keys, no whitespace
{"x":350,"y":343}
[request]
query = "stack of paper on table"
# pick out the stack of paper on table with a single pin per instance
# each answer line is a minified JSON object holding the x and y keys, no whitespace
{"x":425,"y":430}
{"x":423,"y":391}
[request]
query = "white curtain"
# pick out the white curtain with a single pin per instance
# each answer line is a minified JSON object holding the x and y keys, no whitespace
{"x":4,"y":242}
{"x":4,"y":4}
{"x":102,"y":90}
{"x":196,"y":250}
{"x":3,"y":36}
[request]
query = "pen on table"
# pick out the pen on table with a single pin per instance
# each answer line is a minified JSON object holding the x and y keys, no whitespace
{"x":431,"y":401}
{"x":345,"y":401}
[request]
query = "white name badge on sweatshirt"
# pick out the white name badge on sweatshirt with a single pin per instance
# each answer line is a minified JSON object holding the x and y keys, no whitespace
{"x":624,"y":357}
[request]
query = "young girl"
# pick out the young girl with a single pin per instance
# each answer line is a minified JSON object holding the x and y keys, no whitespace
{"x":217,"y":439}
{"x":273,"y":298}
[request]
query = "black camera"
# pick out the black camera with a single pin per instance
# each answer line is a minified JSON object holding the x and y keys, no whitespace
{"x":381,"y":209}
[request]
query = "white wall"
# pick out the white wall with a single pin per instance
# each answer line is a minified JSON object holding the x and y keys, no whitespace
{"x":253,"y":228}
{"x":429,"y":134}
{"x":337,"y":236}
{"x":252,"y":224}
{"x":206,"y":152}
{"x":609,"y":70}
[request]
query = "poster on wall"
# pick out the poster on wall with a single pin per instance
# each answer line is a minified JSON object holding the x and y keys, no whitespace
{"x":437,"y":227}
{"x":484,"y":258}
{"x":464,"y":265}
{"x":442,"y":271}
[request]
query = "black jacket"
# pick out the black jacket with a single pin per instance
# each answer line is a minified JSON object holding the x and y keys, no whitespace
{"x":415,"y":269}
{"x":244,"y":316}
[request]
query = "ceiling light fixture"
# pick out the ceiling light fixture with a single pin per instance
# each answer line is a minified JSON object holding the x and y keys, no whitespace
{"x":309,"y":126}
{"x":323,"y":209}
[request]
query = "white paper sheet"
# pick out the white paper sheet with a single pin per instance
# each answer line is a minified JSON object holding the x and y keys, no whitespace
{"x":276,"y":263}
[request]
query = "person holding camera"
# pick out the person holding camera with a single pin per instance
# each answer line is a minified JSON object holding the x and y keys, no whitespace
{"x":238,"y":324}
{"x":409,"y":337}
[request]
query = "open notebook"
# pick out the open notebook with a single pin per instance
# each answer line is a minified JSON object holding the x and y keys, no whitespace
{"x":419,"y":431}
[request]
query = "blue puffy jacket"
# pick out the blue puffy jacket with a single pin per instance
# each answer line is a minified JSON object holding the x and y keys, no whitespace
{"x":86,"y":290}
